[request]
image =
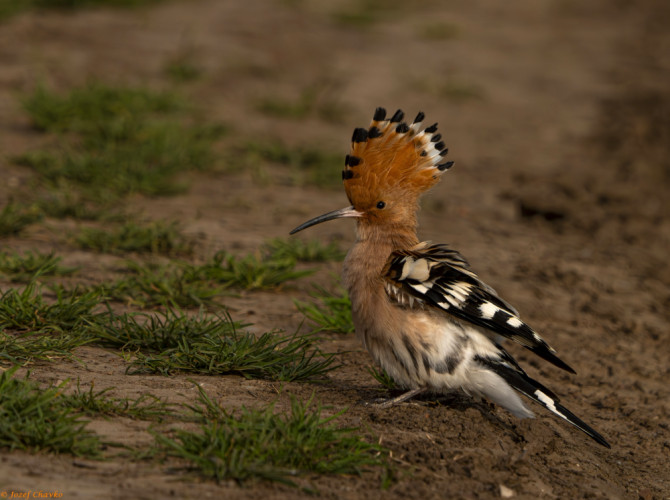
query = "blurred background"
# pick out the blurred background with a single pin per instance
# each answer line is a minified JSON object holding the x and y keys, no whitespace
{"x":230,"y":120}
{"x":557,"y":89}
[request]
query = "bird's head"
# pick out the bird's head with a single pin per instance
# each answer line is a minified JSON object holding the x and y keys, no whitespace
{"x":390,"y":165}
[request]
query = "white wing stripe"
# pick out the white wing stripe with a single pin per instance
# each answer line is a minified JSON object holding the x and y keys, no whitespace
{"x":514,"y":322}
{"x":488,"y":310}
{"x":406,"y":268}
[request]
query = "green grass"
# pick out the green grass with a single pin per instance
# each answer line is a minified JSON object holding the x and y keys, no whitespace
{"x":319,"y":100}
{"x":61,"y":201}
{"x":9,"y":8}
{"x":27,"y":311}
{"x":31,"y":265}
{"x":147,"y":162}
{"x":363,"y":14}
{"x":308,"y":166}
{"x":159,"y":237}
{"x":332,"y":313}
{"x":284,"y":108}
{"x":303,"y":251}
{"x":173,"y":342}
{"x":34,"y":419}
{"x":380,"y":375}
{"x":98,"y":403}
{"x":183,"y":284}
{"x":251,"y":271}
{"x":32,"y":329}
{"x":14,"y":218}
{"x":182,"y":70}
{"x":262,"y":444}
{"x":175,"y":284}
{"x":25,"y":347}
{"x":78,"y":4}
{"x":117,"y":141}
{"x":97,"y":110}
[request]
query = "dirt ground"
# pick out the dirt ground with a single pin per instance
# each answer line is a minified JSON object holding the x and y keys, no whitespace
{"x":557,"y":114}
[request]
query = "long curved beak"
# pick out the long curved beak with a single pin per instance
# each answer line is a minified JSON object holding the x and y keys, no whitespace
{"x":336,"y":214}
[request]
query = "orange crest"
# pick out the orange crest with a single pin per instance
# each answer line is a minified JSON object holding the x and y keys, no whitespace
{"x":393,"y":157}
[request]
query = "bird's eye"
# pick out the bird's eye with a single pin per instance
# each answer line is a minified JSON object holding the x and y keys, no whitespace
{"x":381,"y":205}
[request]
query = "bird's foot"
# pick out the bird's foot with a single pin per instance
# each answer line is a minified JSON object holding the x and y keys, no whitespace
{"x":383,"y":403}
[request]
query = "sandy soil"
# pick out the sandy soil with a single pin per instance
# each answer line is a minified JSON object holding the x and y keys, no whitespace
{"x":557,"y":115}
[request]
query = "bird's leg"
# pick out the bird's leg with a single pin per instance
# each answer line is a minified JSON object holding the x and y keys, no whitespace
{"x":403,"y":397}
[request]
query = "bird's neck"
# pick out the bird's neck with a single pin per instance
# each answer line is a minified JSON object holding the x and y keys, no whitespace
{"x":362,"y":273}
{"x":389,"y":236}
{"x":374,"y":244}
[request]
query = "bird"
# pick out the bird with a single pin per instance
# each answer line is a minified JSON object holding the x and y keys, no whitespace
{"x":418,"y":308}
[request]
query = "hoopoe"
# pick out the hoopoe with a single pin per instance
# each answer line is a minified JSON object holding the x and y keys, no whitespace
{"x":418,"y":308}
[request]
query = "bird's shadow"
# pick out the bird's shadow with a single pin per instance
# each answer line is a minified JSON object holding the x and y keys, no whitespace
{"x":453,"y":400}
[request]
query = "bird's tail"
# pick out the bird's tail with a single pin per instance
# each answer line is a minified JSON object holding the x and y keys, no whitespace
{"x":534,"y":390}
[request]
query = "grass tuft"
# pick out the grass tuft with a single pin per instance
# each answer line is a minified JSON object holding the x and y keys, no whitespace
{"x":380,"y":375}
{"x":63,"y":201}
{"x":96,"y":110}
{"x":79,"y":4}
{"x":14,"y":218}
{"x":9,"y":8}
{"x":24,"y":347}
{"x":259,"y":444}
{"x":181,"y":284}
{"x":157,"y":237}
{"x":27,"y":310}
{"x":34,"y":419}
{"x":176,"y":285}
{"x":307,"y":165}
{"x":147,"y":162}
{"x":172,"y":342}
{"x":32,"y":329}
{"x":283,"y":108}
{"x":250,"y":272}
{"x":364,"y":14}
{"x":181,"y":69}
{"x":303,"y":251}
{"x":332,"y":315}
{"x":320,"y":99}
{"x":121,"y":141}
{"x":31,"y":266}
{"x":96,"y":403}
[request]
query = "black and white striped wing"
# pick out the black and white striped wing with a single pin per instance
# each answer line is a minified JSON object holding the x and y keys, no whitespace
{"x":441,"y":278}
{"x":505,"y":366}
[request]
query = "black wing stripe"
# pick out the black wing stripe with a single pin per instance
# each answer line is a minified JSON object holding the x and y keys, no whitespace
{"x":537,"y":392}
